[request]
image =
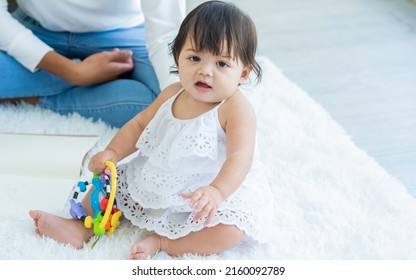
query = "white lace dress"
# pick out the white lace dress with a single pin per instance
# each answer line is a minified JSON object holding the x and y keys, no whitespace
{"x":181,"y":155}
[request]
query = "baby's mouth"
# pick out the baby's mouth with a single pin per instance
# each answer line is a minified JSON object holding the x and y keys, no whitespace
{"x":202,"y":85}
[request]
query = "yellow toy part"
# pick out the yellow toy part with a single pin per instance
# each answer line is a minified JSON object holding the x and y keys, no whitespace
{"x":112,"y":193}
{"x":88,"y":222}
{"x":115,"y":221}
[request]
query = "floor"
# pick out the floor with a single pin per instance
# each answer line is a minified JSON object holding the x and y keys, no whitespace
{"x":357,"y":58}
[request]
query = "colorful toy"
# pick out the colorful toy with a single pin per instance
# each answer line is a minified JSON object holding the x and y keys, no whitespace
{"x":106,"y":215}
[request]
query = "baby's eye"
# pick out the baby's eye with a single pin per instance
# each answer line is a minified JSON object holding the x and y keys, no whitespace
{"x":194,"y":58}
{"x":222,"y":64}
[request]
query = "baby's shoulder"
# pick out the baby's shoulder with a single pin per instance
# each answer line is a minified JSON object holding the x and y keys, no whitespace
{"x":170,"y":91}
{"x":236,"y":108}
{"x":238,"y":102}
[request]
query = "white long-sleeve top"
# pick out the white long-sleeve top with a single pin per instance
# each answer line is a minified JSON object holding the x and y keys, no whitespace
{"x":162,"y":17}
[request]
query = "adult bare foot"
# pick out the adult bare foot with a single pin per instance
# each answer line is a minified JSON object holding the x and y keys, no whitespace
{"x":67,"y":231}
{"x":147,"y":247}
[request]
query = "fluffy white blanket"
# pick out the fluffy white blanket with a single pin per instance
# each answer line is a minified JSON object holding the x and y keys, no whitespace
{"x":332,"y":201}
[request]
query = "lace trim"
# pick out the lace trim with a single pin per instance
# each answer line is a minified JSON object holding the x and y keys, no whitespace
{"x":176,"y":224}
{"x":166,"y":183}
{"x":201,"y":136}
{"x":177,"y":220}
{"x":202,"y":144}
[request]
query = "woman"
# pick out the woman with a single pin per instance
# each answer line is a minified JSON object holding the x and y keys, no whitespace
{"x":95,"y":58}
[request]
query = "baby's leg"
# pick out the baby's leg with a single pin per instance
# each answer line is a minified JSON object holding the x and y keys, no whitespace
{"x":204,"y":242}
{"x":68,"y":231}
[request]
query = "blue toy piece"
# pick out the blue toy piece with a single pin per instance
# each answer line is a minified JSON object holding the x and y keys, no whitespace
{"x":97,"y":194}
{"x":82,"y":186}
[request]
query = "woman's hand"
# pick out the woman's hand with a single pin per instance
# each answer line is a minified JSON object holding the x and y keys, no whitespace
{"x":206,"y":202}
{"x":102,"y":67}
{"x":98,"y":68}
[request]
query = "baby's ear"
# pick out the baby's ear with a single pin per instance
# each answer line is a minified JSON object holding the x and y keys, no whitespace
{"x":245,"y":74}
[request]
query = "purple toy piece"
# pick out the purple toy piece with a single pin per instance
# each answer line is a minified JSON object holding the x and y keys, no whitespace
{"x":103,"y":178}
{"x":77,"y":211}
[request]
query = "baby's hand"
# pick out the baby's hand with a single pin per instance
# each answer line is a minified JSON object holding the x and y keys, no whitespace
{"x":206,"y":201}
{"x":97,"y":162}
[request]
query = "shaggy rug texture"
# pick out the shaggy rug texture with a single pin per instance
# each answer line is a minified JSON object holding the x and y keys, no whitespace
{"x":331,"y":200}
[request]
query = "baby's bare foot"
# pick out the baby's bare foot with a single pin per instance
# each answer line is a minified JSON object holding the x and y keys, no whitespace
{"x":67,"y":231}
{"x":147,"y":247}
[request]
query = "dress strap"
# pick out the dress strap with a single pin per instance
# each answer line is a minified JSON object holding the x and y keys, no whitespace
{"x":173,"y":97}
{"x":218,"y":105}
{"x":178,"y":92}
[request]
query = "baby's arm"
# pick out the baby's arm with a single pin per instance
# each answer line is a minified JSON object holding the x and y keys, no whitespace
{"x":239,"y":122}
{"x":124,"y":142}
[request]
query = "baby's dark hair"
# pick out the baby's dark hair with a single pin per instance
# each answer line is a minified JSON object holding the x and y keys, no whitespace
{"x":215,"y":24}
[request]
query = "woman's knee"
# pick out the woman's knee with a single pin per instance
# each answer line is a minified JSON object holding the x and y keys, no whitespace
{"x":128,"y":91}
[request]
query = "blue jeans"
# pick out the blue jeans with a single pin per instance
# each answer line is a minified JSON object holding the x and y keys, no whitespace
{"x":113,"y":102}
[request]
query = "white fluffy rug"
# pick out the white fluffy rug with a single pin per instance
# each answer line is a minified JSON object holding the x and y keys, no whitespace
{"x":332,"y":201}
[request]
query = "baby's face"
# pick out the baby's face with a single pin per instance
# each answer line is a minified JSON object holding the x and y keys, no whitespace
{"x":209,"y":77}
